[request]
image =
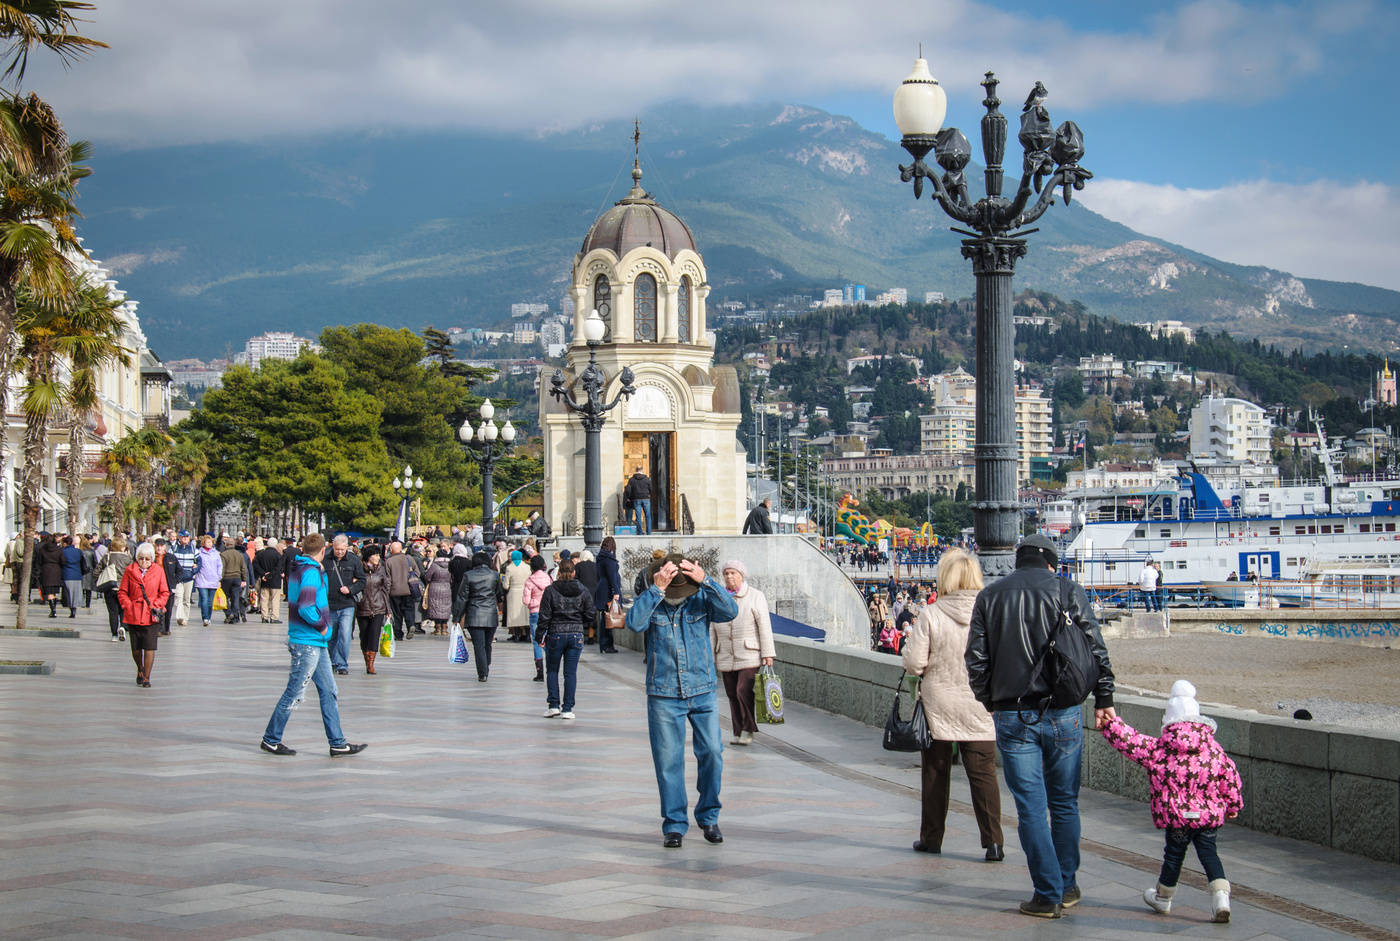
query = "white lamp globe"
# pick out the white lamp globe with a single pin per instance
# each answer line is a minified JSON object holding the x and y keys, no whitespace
{"x":491,"y":431}
{"x":481,"y":431}
{"x":407,"y":472}
{"x":487,"y":410}
{"x":418,"y":484}
{"x":593,"y":327}
{"x":397,"y":483}
{"x":919,"y":103}
{"x":465,"y":432}
{"x":508,"y":432}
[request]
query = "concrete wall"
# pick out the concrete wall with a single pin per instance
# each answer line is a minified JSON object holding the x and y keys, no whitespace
{"x":799,"y":580}
{"x":1368,"y":628}
{"x":1323,"y":784}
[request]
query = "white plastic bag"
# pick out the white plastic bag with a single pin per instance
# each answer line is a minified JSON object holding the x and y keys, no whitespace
{"x":457,"y":646}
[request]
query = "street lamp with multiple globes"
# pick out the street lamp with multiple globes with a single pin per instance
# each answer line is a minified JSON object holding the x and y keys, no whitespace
{"x":1050,"y":163}
{"x":480,"y":446}
{"x":592,"y":409}
{"x":408,"y":490}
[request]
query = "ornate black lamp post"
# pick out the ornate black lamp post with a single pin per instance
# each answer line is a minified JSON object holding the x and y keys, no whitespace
{"x":408,"y":490}
{"x":1050,"y":163}
{"x":480,"y":446}
{"x":593,"y":409}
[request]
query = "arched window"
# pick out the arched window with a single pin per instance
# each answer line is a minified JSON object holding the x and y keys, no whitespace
{"x":683,"y":311}
{"x":644,"y":309}
{"x":602,"y":302}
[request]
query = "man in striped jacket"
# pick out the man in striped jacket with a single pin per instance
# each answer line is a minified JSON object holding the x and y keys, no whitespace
{"x":308,"y":629}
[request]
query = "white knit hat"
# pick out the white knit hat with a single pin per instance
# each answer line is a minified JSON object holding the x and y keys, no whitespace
{"x":1182,"y":707}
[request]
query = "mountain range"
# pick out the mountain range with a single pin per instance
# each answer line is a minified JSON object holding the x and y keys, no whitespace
{"x":222,"y":241}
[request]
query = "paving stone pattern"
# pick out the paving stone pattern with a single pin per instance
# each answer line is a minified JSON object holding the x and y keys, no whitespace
{"x":151,"y":814}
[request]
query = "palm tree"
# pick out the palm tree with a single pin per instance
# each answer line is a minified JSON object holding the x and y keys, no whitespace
{"x":86,"y":332}
{"x":120,"y":461}
{"x":96,"y":344}
{"x":49,"y":23}
{"x":189,"y":464}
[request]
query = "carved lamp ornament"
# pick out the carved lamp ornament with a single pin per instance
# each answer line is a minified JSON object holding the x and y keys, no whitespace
{"x":1050,"y":161}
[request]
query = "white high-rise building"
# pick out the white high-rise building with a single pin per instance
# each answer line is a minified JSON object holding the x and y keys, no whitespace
{"x":527,"y":310}
{"x":951,"y":428}
{"x":933,"y":297}
{"x":1230,"y":430}
{"x":275,"y":345}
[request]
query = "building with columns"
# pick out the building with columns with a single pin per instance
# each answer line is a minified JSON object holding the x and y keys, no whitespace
{"x":640,"y":269}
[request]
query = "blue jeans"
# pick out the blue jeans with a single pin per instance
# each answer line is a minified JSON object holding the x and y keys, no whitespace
{"x":1041,"y":762}
{"x":206,"y":602}
{"x":1178,"y":838}
{"x":641,"y":515}
{"x":535,"y":647}
{"x":666,"y":719}
{"x":342,"y":626}
{"x":309,"y":665}
{"x":565,"y":649}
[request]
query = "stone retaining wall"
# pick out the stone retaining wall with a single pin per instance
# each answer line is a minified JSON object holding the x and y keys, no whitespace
{"x":1366,"y":627}
{"x":1320,"y":783}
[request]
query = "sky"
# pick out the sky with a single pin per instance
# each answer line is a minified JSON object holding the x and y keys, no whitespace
{"x":1256,"y":132}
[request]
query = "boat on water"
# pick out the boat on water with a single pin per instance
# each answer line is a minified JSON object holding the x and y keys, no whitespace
{"x":1331,"y":586}
{"x":1232,"y":531}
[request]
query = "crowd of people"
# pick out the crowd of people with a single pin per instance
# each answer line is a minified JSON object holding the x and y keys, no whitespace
{"x":984,"y":689}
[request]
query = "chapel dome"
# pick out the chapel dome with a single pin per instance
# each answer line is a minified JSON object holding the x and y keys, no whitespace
{"x":637,"y":220}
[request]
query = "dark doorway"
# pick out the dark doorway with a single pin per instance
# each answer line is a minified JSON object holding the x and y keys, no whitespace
{"x":662,"y":477}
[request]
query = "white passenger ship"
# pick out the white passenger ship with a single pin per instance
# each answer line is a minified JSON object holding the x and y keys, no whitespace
{"x":1202,"y":532}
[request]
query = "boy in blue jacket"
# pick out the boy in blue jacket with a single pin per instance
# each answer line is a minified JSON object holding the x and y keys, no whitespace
{"x":308,"y":628}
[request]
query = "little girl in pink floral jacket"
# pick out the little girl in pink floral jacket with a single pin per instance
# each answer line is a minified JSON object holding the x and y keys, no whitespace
{"x":1195,"y":788}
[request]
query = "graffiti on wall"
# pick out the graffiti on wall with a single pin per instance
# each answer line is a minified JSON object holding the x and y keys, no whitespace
{"x":1315,"y":630}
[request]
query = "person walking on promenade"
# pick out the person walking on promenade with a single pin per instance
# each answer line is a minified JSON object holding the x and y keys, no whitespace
{"x":675,"y":614}
{"x":208,"y":574}
{"x":268,"y":570}
{"x":188,"y":556}
{"x":758,"y":522}
{"x":478,"y":601}
{"x":14,"y":561}
{"x":513,"y":578}
{"x":234,"y":581}
{"x":1147,"y":582}
{"x":143,"y":595}
{"x":437,"y":592}
{"x":934,"y":651}
{"x":741,"y":647}
{"x":89,"y":568}
{"x":171,"y":567}
{"x":372,"y":607}
{"x":566,"y":608}
{"x":459,"y":565}
{"x":638,"y":492}
{"x":72,"y":575}
{"x":49,"y":555}
{"x":535,"y":587}
{"x":118,"y":558}
{"x":1039,"y":738}
{"x":346,"y":576}
{"x":399,"y":567}
{"x":1195,"y":789}
{"x":308,"y":630}
{"x":608,"y":590}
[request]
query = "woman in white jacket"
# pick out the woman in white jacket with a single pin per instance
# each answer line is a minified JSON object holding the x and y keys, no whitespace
{"x":934,"y":651}
{"x":741,"y":646}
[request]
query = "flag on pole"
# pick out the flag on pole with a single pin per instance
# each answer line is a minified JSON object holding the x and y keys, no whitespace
{"x":401,"y":525}
{"x":1079,"y":445}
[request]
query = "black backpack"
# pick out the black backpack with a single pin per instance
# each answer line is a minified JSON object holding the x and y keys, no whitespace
{"x":1067,"y":661}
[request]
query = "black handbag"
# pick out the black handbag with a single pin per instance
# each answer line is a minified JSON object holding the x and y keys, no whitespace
{"x":911,"y":735}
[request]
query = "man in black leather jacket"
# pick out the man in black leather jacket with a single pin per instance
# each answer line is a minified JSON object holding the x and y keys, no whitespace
{"x":565,"y":608}
{"x":479,"y":598}
{"x":1041,"y":753}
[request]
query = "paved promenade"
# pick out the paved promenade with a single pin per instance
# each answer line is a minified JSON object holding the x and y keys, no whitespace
{"x":151,"y":814}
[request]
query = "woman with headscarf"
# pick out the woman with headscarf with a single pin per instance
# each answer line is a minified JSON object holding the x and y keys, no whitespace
{"x":143,"y":595}
{"x":477,"y":601}
{"x":459,"y":565}
{"x":741,"y":647}
{"x":934,"y":651}
{"x":513,"y":578}
{"x":535,"y":585}
{"x":371,"y":608}
{"x":437,"y":592}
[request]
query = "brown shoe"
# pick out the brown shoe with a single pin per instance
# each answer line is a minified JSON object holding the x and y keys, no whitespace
{"x":369,"y":660}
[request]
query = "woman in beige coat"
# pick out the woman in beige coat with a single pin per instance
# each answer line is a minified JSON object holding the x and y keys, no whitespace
{"x":513,"y":578}
{"x":741,"y":646}
{"x":934,"y":651}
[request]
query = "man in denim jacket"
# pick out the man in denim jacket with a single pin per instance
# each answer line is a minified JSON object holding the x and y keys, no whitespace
{"x":675,"y":613}
{"x":308,"y":629}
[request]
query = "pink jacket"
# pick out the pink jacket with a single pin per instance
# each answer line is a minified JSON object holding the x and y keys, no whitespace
{"x":1195,"y":785}
{"x":534,"y":589}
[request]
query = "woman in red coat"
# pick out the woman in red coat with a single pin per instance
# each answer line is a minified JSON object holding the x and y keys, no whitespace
{"x":143,"y":595}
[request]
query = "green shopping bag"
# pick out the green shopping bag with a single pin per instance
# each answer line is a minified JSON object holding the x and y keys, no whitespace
{"x":768,"y":696}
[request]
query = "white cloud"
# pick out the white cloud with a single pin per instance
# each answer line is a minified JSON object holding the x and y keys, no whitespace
{"x":1323,"y":229}
{"x":210,"y":71}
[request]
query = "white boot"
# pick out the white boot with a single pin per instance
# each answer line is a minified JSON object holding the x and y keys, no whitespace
{"x":1219,"y":900}
{"x":1159,"y":898}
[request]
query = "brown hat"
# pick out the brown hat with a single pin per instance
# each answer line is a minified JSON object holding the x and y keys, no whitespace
{"x":682,"y":586}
